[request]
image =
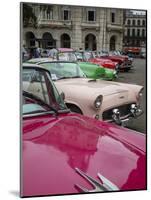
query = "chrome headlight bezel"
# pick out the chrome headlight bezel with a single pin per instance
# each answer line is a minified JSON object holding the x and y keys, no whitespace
{"x":98,"y":102}
{"x":115,"y":72}
{"x":139,"y":95}
{"x":117,"y":66}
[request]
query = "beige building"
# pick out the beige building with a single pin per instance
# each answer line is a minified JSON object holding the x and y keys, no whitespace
{"x":74,"y":26}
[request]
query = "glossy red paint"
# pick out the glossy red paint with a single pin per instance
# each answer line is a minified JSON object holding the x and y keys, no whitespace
{"x":54,"y":146}
{"x":135,"y":50}
{"x":104,"y":62}
{"x":115,"y":58}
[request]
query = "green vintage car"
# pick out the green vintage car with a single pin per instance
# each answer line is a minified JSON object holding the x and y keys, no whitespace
{"x":95,"y":71}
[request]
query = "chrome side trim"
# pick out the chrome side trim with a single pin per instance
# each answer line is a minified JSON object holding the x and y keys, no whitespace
{"x":108,"y":184}
{"x":97,"y":187}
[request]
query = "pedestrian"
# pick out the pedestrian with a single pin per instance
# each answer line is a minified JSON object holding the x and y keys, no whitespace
{"x":23,"y":52}
{"x":52,"y":53}
{"x":36,"y":53}
{"x":31,"y":53}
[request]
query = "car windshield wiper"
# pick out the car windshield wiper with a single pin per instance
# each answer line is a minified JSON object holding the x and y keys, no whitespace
{"x":40,"y":101}
{"x":77,"y":77}
{"x":64,"y":77}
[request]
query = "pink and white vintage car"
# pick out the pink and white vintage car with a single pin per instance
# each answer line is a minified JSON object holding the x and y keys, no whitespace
{"x":67,"y":153}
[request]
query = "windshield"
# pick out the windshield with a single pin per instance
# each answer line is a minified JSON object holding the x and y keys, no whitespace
{"x":39,"y":92}
{"x":64,"y":70}
{"x":104,"y":53}
{"x":88,"y":55}
{"x":67,"y":56}
{"x":118,"y":53}
{"x":79,"y":55}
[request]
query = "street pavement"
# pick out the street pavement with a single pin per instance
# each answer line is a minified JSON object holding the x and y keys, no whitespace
{"x":137,"y":76}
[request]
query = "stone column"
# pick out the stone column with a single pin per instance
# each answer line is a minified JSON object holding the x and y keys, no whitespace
{"x":76,"y":40}
{"x":102,"y":34}
{"x":55,"y":12}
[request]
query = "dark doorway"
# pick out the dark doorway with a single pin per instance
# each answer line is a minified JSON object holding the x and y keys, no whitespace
{"x":90,"y":42}
{"x":47,"y":41}
{"x":65,"y":41}
{"x":112,"y":43}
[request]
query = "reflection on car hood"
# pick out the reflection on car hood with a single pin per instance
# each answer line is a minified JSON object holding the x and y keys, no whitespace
{"x":53,"y":148}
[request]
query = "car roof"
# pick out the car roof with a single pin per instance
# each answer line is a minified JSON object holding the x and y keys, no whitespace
{"x":65,"y":49}
{"x":57,"y":61}
{"x":28,"y":65}
{"x":36,"y":60}
{"x":45,"y":60}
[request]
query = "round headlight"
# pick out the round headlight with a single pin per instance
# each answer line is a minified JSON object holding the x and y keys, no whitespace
{"x":114,"y":72}
{"x":98,"y":102}
{"x":117,"y":66}
{"x":139,"y":96}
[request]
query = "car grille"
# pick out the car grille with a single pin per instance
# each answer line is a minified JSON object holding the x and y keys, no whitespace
{"x":124,"y":111}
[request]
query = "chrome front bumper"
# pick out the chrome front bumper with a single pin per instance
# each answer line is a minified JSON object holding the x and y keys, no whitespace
{"x":135,"y":112}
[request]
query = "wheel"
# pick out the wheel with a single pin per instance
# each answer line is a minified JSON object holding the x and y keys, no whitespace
{"x":75,"y":109}
{"x":127,"y":69}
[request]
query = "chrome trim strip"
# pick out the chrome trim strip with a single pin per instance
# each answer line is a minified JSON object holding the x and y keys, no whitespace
{"x":108,"y":184}
{"x":97,"y":187}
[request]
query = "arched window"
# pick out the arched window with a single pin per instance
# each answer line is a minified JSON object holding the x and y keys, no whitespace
{"x":143,"y":22}
{"x":138,"y":22}
{"x":65,"y":41}
{"x":143,"y":33}
{"x":138,"y":32}
{"x":90,"y":42}
{"x":133,"y":22}
{"x":133,"y":32}
{"x":47,"y":41}
{"x":128,"y":32}
{"x":128,"y":22}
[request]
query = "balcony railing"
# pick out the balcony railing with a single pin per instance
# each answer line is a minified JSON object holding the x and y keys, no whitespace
{"x":90,"y":24}
{"x":115,"y":27}
{"x":54,"y":23}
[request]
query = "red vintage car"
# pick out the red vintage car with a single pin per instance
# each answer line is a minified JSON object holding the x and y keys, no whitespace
{"x":67,"y":153}
{"x":121,"y":54}
{"x":103,"y":62}
{"x":125,"y":63}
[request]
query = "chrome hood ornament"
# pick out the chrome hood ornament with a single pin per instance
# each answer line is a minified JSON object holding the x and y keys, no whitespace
{"x":106,"y":185}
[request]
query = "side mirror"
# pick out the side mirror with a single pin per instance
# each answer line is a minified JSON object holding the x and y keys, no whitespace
{"x":62,"y":95}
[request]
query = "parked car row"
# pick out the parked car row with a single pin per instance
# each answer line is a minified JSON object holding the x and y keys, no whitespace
{"x":112,"y":60}
{"x":68,"y":152}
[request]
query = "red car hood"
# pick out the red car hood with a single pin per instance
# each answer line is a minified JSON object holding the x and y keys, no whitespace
{"x":53,"y":147}
{"x":104,"y":62}
{"x":118,"y":58}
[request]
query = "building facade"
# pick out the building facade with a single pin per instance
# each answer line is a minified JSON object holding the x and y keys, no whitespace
{"x":135,"y":29}
{"x":73,"y":27}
